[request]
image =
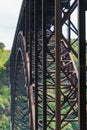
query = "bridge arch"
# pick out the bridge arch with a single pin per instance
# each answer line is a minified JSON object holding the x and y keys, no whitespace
{"x":21,"y":109}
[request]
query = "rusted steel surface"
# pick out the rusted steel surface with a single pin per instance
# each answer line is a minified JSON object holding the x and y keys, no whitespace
{"x":21,"y":107}
{"x":82,"y":66}
{"x":58,"y":32}
{"x":44,"y":76}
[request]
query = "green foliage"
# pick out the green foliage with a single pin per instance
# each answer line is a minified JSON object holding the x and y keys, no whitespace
{"x":4,"y":65}
{"x":68,"y":127}
{"x":4,"y":123}
{"x":4,"y":54}
{"x":75,"y":47}
{"x":4,"y":108}
{"x":4,"y":90}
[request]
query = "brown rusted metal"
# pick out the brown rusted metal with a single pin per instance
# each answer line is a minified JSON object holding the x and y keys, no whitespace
{"x":57,"y":59}
{"x":32,"y":106}
{"x":82,"y":66}
{"x":49,"y":65}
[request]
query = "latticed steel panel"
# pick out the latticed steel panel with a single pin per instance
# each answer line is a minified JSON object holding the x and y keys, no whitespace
{"x":44,"y":77}
{"x":22,"y":95}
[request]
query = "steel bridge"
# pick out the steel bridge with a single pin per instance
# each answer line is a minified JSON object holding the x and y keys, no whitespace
{"x":48,"y":66}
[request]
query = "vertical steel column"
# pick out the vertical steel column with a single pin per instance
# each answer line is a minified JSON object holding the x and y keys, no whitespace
{"x":30,"y":37}
{"x":82,"y":65}
{"x":36,"y":66}
{"x":27,"y":24}
{"x":26,"y":17}
{"x":30,"y":41}
{"x":31,"y":52}
{"x":23,"y":21}
{"x":44,"y":44}
{"x":69,"y":33}
{"x":58,"y":36}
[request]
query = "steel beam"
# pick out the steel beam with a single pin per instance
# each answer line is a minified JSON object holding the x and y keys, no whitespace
{"x":57,"y":44}
{"x":82,"y":66}
{"x":44,"y":47}
{"x":31,"y":29}
{"x":36,"y":62}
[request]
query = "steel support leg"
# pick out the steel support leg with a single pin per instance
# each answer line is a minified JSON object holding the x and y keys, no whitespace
{"x":82,"y":67}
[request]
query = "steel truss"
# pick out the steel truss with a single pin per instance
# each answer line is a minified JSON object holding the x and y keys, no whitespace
{"x":44,"y":76}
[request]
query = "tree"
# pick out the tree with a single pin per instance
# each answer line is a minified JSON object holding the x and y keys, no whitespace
{"x":2,"y":45}
{"x":4,"y":90}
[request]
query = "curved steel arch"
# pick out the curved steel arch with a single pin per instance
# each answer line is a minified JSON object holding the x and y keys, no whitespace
{"x":22,"y":117}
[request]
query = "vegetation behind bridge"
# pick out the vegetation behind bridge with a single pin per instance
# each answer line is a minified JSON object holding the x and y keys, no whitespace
{"x":4,"y":89}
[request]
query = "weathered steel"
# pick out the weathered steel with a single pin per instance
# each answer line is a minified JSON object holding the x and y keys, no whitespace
{"x":44,"y":48}
{"x":58,"y":32}
{"x":36,"y":62}
{"x":20,"y":110}
{"x":48,"y":79}
{"x":82,"y":66}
